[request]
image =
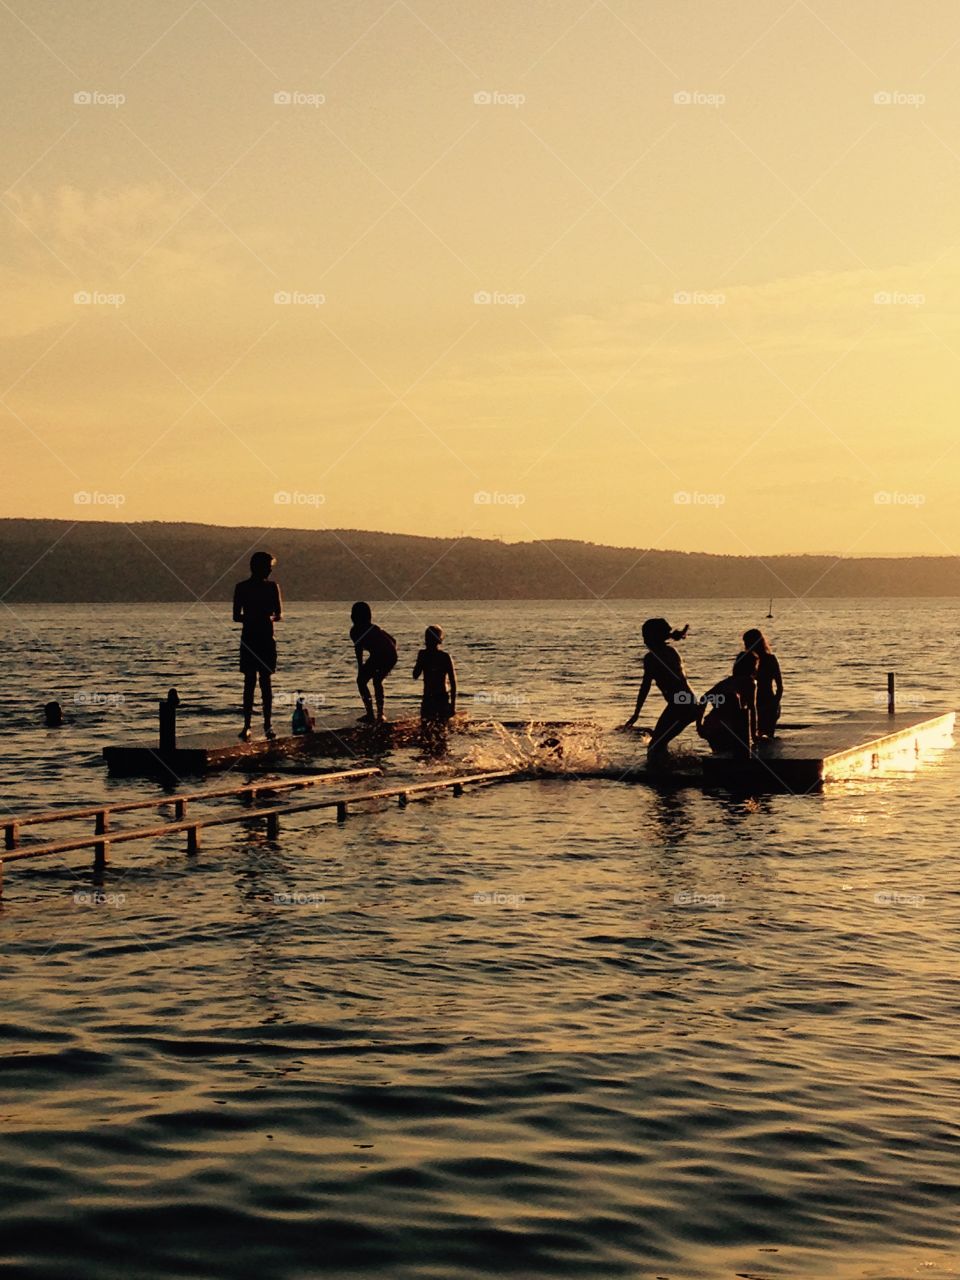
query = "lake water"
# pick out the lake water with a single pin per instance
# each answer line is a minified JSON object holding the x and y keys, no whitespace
{"x":557,"y":1028}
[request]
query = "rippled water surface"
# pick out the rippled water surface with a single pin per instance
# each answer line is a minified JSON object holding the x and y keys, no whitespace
{"x":554,"y":1028}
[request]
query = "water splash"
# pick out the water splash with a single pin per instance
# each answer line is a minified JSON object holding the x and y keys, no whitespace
{"x":536,"y":747}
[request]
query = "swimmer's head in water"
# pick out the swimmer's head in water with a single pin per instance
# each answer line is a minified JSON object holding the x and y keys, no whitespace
{"x":433,"y":637}
{"x":361,"y":614}
{"x":261,"y":564}
{"x":53,"y":715}
{"x":656,"y":631}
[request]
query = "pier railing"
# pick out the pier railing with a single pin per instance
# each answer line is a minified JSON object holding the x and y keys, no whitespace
{"x":103,"y":837}
{"x":101,"y":813}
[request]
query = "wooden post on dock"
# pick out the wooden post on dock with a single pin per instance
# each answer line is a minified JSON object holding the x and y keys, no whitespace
{"x":168,"y":721}
{"x":891,"y":693}
{"x":273,"y":826}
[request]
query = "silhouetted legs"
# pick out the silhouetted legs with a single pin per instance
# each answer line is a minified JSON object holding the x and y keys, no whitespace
{"x":364,"y":679}
{"x":365,"y":695}
{"x":672,"y":722}
{"x":266,"y":700}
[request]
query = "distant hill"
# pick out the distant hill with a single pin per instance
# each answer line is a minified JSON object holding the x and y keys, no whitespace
{"x":54,"y":560}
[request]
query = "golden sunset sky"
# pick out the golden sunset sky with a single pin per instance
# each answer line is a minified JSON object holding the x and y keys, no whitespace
{"x":721,"y":243}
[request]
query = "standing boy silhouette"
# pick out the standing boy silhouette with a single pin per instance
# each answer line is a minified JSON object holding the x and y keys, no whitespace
{"x":257,"y":605}
{"x":439,"y":702}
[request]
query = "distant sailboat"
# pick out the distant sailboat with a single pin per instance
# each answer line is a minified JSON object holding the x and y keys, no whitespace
{"x":770,"y":608}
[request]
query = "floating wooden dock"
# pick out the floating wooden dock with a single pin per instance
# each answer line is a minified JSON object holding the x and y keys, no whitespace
{"x":857,"y":743}
{"x":206,"y":752}
{"x":800,"y":759}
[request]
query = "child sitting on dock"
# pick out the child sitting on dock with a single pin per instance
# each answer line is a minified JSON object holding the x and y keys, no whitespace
{"x":439,"y":702}
{"x":663,"y":666}
{"x":769,"y":682}
{"x":368,"y":638}
{"x":729,"y":712}
{"x":257,"y":605}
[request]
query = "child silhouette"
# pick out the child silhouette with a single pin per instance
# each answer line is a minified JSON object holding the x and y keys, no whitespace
{"x":257,"y":605}
{"x":439,"y":702}
{"x":663,"y":666}
{"x":769,"y":682}
{"x":368,"y":638}
{"x":729,"y":719}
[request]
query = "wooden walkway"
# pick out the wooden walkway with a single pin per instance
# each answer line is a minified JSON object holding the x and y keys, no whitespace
{"x":104,"y":835}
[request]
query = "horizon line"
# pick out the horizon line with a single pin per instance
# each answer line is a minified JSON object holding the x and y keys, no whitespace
{"x":490,"y":539}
